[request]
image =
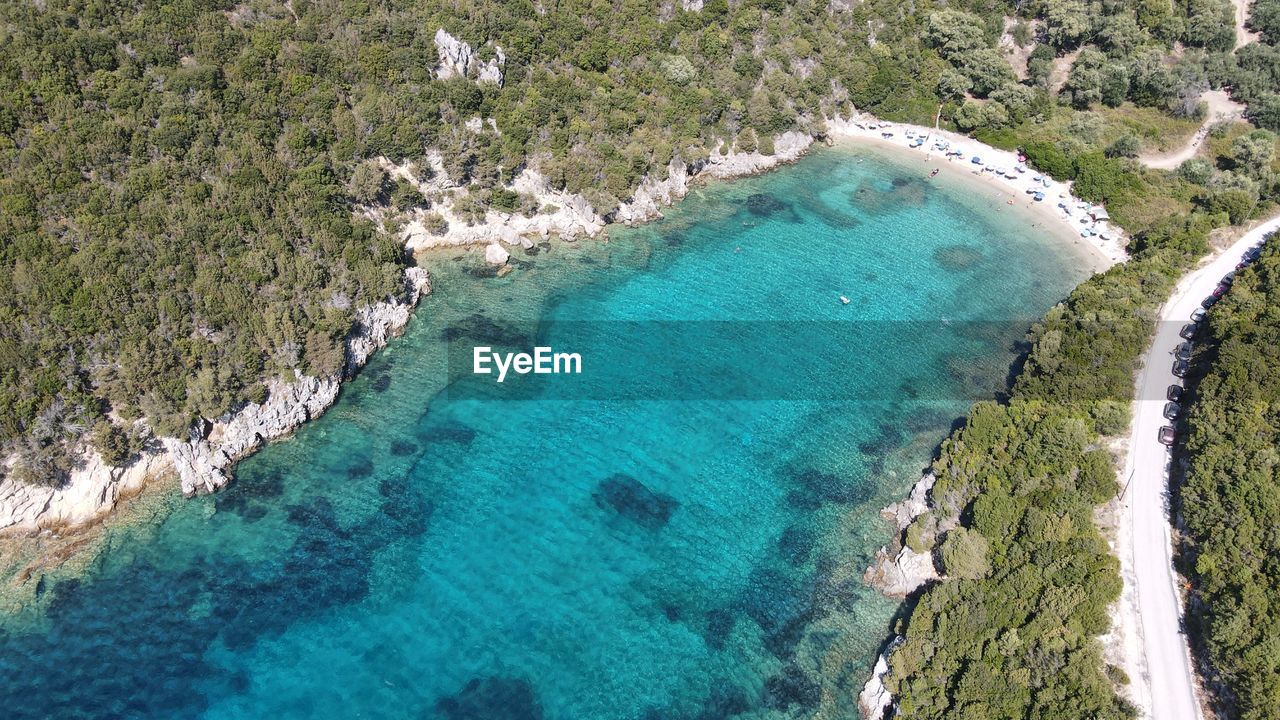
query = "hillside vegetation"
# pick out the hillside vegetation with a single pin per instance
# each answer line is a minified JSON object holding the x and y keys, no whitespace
{"x":179,"y":181}
{"x":1231,"y":496}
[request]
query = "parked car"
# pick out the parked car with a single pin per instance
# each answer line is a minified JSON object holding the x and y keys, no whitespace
{"x":1172,"y":410}
{"x":1167,"y":435}
{"x":1198,"y":314}
{"x":1209,"y":302}
{"x":1183,"y":351}
{"x":1188,"y":331}
{"x":1180,"y":368}
{"x":1229,"y":278}
{"x":1221,"y":290}
{"x":1174,"y":393}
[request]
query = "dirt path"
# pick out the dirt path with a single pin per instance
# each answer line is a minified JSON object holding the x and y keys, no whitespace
{"x":1243,"y":36}
{"x":1221,"y":108}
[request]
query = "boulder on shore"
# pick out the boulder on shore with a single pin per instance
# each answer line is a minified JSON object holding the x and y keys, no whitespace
{"x":495,"y":254}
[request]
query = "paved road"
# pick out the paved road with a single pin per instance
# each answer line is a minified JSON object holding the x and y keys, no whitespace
{"x":1168,"y":688}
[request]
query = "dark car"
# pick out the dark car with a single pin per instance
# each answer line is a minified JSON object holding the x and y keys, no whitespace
{"x":1172,"y":410}
{"x":1209,"y":302}
{"x":1174,"y":393}
{"x":1188,"y":331}
{"x":1221,"y":290}
{"x":1252,"y":254}
{"x":1183,"y":351}
{"x":1198,"y":314}
{"x":1180,"y":368}
{"x":1229,"y":278}
{"x":1167,"y":435}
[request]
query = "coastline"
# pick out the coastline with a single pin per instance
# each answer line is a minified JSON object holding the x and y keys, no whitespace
{"x":203,"y":461}
{"x":1106,"y":245}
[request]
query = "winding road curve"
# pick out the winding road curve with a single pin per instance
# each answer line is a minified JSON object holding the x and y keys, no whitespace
{"x":1163,"y":680}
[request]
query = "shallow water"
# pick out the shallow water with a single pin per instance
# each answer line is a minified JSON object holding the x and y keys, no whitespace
{"x":677,"y":532}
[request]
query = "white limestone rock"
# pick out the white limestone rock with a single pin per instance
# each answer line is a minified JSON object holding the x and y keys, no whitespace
{"x":875,"y":699}
{"x":457,"y":59}
{"x":495,"y":254}
{"x":92,"y":490}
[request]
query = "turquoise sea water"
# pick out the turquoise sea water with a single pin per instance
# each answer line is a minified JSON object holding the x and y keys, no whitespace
{"x":679,"y":532}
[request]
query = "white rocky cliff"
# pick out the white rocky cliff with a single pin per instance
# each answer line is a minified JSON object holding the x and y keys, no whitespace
{"x":897,"y":573}
{"x":457,"y":59}
{"x":203,"y":460}
{"x":571,"y":216}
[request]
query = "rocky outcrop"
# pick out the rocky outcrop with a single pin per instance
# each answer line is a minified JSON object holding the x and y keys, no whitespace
{"x":897,"y":570}
{"x":457,"y":59}
{"x":204,"y":459}
{"x":571,"y":216}
{"x":561,"y":213}
{"x":92,"y":490}
{"x":787,"y":147}
{"x":494,"y":254}
{"x":875,"y":698}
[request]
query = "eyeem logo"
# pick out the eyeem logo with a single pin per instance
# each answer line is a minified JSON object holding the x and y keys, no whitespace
{"x":542,"y":362}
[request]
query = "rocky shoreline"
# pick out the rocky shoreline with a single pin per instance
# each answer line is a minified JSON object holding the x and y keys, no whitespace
{"x":203,"y":460}
{"x":897,"y":571}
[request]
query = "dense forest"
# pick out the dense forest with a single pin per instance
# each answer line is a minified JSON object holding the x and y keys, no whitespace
{"x":1011,"y":632}
{"x":1231,"y":495}
{"x":180,"y":184}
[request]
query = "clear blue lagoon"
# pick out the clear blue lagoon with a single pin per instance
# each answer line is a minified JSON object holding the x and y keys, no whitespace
{"x":679,"y":532}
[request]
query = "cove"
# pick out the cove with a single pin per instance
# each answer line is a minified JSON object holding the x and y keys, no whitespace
{"x":672,"y":533}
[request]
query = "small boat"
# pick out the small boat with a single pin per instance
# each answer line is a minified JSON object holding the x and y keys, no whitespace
{"x":1021,"y":169}
{"x":886,"y":135}
{"x":934,"y":172}
{"x":976,"y":160}
{"x":844,"y":300}
{"x":1039,"y":196}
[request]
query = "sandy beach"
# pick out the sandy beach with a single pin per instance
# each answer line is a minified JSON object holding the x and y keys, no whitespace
{"x":1061,"y":212}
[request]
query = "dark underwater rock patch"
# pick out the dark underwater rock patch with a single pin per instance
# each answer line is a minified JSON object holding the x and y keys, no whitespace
{"x":481,"y":329}
{"x":812,"y":488}
{"x":796,"y":544}
{"x":957,"y":257}
{"x":764,"y":205}
{"x":403,"y":448}
{"x":792,"y":688}
{"x":246,"y":495}
{"x":360,"y":468}
{"x":725,"y":701}
{"x":631,"y":499}
{"x":492,"y":698}
{"x":451,"y":433}
{"x":381,"y":382}
{"x":720,"y":624}
{"x":887,"y":439}
{"x":782,"y":604}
